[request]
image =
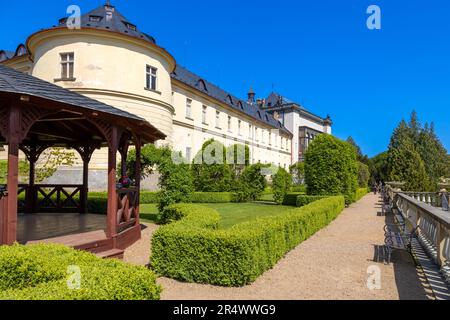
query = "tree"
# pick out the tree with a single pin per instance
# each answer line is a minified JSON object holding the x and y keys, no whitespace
{"x":363,"y":175}
{"x":298,"y":172}
{"x":210,"y":169}
{"x":250,"y":184}
{"x":359,"y":154}
{"x":238,"y":158}
{"x":404,"y":161}
{"x":378,"y":166}
{"x":331,"y":168}
{"x":281,"y":185}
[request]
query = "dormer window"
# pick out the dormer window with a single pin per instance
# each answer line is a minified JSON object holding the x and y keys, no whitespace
{"x":229,"y":99}
{"x":62,"y":21}
{"x":202,"y":85}
{"x":95,"y":18}
{"x":241,"y":105}
{"x":130,"y":26}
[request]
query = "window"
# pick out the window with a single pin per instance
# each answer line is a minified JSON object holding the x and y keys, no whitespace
{"x":204,"y":114}
{"x":217,"y":119}
{"x":240,"y":127}
{"x":189,"y":108}
{"x":67,"y":65}
{"x":270,"y":138}
{"x":95,"y":18}
{"x":151,"y":78}
{"x":188,"y":154}
{"x":282,"y":143}
{"x":229,"y":123}
{"x":250,"y":131}
{"x":256,"y":134}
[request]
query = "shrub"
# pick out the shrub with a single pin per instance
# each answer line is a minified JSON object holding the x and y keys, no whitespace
{"x":303,"y":200}
{"x":281,"y":185}
{"x":238,"y":158}
{"x":210,"y":170}
{"x":194,"y":250}
{"x":98,"y":201}
{"x":360,"y":193}
{"x":212,"y":197}
{"x":331,"y":168}
{"x":298,"y":172}
{"x":300,"y":188}
{"x":251,"y":184}
{"x":40,"y":272}
{"x":290,"y":199}
{"x":363,"y":175}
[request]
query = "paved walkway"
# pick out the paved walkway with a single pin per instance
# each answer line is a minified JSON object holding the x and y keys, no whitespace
{"x":332,"y":264}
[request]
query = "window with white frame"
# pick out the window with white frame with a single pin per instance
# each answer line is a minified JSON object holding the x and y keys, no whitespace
{"x":240,"y":127}
{"x":204,"y":114}
{"x":218,"y":119}
{"x":282,"y":143}
{"x":250,"y":128}
{"x":256,"y":134}
{"x":151,"y":78}
{"x":67,"y":65}
{"x":189,"y":108}
{"x":270,"y":138}
{"x":229,"y":123}
{"x":188,"y":154}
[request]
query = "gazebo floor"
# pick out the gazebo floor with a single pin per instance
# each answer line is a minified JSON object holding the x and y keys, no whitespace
{"x":34,"y":228}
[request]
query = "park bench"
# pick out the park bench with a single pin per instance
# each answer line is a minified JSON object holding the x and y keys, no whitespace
{"x":397,"y":235}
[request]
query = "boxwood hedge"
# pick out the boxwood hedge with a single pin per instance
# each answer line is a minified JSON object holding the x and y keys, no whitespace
{"x":360,"y":193}
{"x":303,"y":200}
{"x":290,"y":199}
{"x":193,"y":249}
{"x":40,"y":272}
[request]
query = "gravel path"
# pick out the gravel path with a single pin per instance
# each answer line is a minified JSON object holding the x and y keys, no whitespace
{"x":332,"y":264}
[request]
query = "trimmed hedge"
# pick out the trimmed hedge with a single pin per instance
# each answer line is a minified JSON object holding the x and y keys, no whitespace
{"x":212,"y":197}
{"x":195,"y":250}
{"x":303,"y":200}
{"x":40,"y":272}
{"x":300,"y":188}
{"x":360,"y":193}
{"x":291,"y":198}
{"x":97,"y":201}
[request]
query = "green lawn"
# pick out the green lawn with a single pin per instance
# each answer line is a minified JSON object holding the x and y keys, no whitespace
{"x":232,"y":213}
{"x":235,"y":213}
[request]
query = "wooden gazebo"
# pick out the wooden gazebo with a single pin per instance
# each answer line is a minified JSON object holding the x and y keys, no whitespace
{"x":36,"y":115}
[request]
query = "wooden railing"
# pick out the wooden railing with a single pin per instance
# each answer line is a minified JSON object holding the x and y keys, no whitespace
{"x":50,"y":198}
{"x":433,"y":223}
{"x":127,"y":208}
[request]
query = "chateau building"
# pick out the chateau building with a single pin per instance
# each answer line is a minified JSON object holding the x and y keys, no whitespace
{"x":109,"y":59}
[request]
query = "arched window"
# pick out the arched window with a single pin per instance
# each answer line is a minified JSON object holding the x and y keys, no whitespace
{"x":20,"y":51}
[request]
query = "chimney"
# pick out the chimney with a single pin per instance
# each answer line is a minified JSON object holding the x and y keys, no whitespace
{"x":251,"y":96}
{"x":109,"y":11}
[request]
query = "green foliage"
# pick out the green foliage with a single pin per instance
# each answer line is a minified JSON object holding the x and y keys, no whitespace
{"x":40,"y":272}
{"x":363,"y":175}
{"x":251,"y":184}
{"x":331,"y":168}
{"x":290,"y":199}
{"x":281,"y":185}
{"x":300,"y":188}
{"x":298,"y":172}
{"x":416,"y":156}
{"x":359,"y":154}
{"x":303,"y":200}
{"x":360,"y":193}
{"x":195,"y":250}
{"x":210,"y":170}
{"x":379,"y":168}
{"x":238,"y":158}
{"x":212,"y":197}
{"x":24,"y":169}
{"x":51,"y":160}
{"x":404,"y":161}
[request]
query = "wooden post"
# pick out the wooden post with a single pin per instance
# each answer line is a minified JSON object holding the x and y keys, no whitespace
{"x":85,"y":189}
{"x":138,"y":178}
{"x":31,"y":193}
{"x":10,"y":216}
{"x":112,"y":190}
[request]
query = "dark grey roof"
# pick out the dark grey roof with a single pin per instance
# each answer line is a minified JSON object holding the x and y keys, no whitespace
{"x":5,"y":55}
{"x":108,"y":18}
{"x":277,"y":102}
{"x":17,"y":82}
{"x":189,"y":78}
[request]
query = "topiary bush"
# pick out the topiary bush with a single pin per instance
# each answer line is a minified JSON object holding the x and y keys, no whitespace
{"x":40,"y":272}
{"x":331,"y":168}
{"x":212,"y":197}
{"x":281,"y":185}
{"x":251,"y":184}
{"x":290,"y":199}
{"x":193,"y":249}
{"x":360,"y":193}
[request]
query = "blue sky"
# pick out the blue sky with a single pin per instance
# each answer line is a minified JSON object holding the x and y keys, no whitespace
{"x":317,"y":52}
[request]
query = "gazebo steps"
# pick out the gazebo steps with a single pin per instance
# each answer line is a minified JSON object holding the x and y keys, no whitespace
{"x":111,"y":254}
